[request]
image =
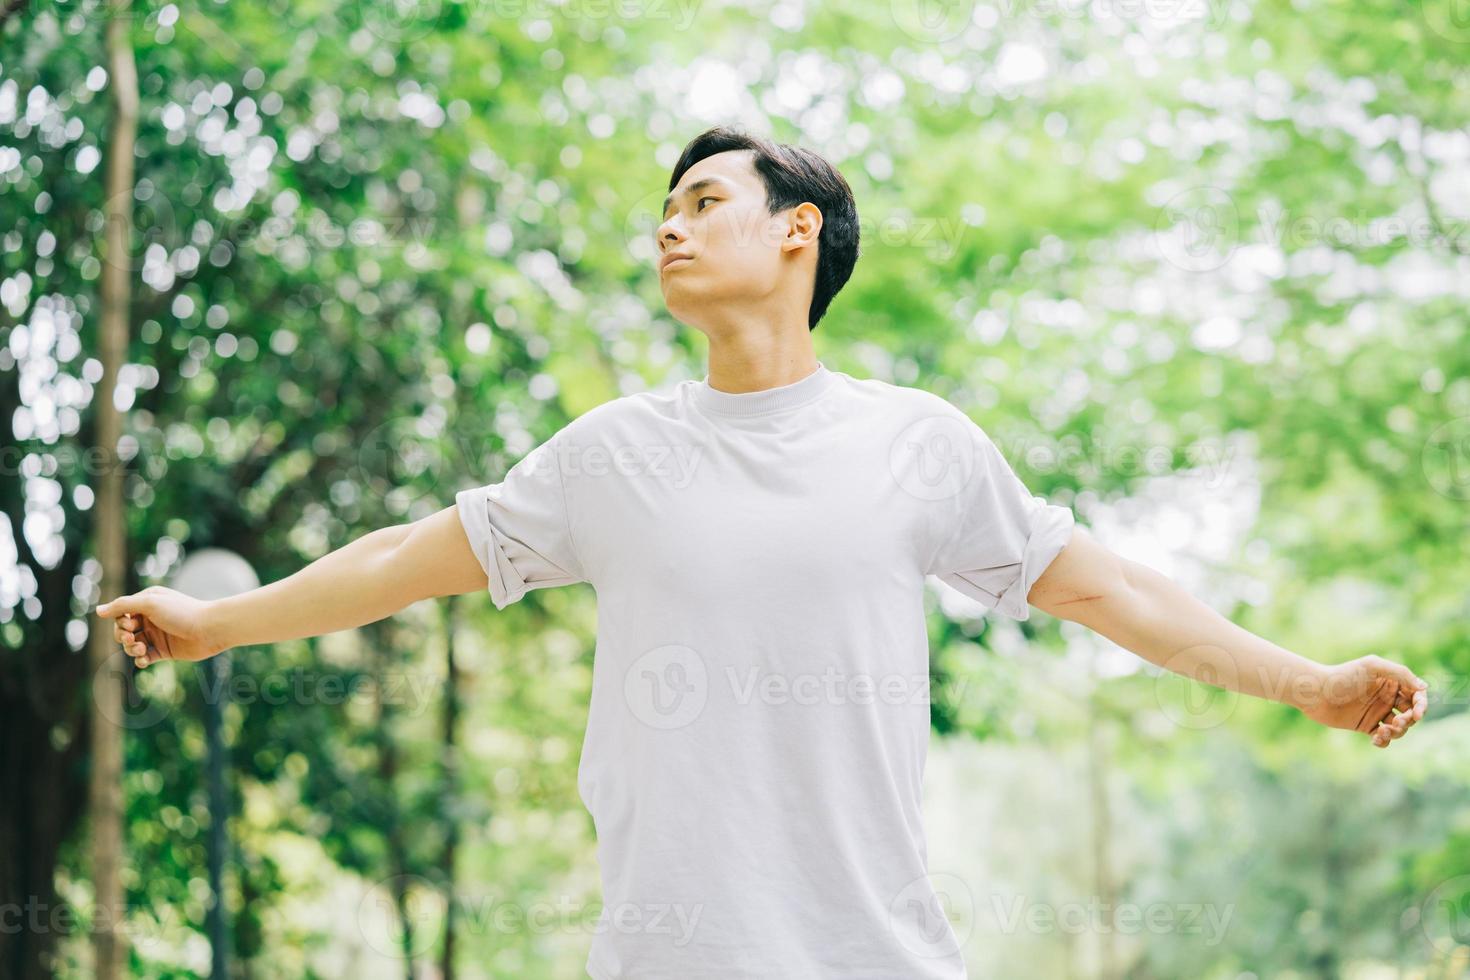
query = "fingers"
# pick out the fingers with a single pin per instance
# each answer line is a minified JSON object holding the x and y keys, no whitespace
{"x":127,"y":628}
{"x":1385,"y":733}
{"x":142,"y":654}
{"x":130,"y":631}
{"x":1395,"y":727}
{"x":124,"y":604}
{"x":124,"y":627}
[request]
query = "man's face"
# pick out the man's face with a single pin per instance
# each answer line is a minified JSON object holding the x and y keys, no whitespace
{"x":717,"y":216}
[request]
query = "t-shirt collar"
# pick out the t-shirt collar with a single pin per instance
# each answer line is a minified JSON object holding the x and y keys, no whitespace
{"x":782,"y":397}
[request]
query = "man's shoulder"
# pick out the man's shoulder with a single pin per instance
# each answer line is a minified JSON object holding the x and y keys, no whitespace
{"x":636,"y":410}
{"x":901,"y":398}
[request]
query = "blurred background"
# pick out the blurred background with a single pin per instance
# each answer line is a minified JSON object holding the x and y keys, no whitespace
{"x":1200,"y":267}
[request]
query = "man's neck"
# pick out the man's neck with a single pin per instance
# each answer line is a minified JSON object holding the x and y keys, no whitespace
{"x":757,"y":363}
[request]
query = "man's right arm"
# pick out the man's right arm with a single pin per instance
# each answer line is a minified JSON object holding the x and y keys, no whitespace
{"x":364,"y":581}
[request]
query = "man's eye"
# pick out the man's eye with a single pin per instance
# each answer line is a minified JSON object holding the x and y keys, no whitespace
{"x":703,"y":199}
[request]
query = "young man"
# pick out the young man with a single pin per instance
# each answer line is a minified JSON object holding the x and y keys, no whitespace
{"x":759,"y":542}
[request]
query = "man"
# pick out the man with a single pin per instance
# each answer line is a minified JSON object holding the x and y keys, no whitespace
{"x":759,"y":542}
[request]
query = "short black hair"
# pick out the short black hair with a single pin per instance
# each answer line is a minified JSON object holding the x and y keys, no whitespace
{"x":793,"y":175}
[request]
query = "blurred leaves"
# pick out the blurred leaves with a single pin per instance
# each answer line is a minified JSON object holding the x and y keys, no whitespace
{"x":384,"y":249}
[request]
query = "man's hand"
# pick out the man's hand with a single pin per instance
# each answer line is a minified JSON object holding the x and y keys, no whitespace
{"x":1362,"y":696}
{"x":161,"y":624}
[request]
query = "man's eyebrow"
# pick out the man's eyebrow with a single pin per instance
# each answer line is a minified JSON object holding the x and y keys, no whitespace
{"x":705,"y":182}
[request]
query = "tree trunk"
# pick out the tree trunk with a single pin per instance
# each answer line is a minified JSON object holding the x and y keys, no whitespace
{"x":1102,"y":831}
{"x":387,"y":659}
{"x":108,"y":663}
{"x":450,"y":758}
{"x":44,"y":782}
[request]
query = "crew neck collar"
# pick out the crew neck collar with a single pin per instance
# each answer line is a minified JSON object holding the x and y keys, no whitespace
{"x":782,"y":397}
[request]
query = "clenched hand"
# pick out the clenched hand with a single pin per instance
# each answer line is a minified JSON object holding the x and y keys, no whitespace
{"x":1363,"y":695}
{"x":161,"y":624}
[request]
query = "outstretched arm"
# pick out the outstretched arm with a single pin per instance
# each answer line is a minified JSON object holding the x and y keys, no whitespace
{"x":1145,"y":612}
{"x":364,"y":581}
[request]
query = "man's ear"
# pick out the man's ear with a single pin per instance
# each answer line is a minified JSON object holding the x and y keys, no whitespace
{"x":804,"y":226}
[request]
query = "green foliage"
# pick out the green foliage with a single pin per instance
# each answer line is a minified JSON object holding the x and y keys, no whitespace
{"x":383,"y":250}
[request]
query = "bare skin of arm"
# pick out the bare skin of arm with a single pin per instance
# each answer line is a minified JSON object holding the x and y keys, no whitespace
{"x":1150,"y":615}
{"x":364,"y":581}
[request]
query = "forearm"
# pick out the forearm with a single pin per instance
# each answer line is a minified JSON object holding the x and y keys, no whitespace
{"x":347,"y":588}
{"x":1161,"y":622}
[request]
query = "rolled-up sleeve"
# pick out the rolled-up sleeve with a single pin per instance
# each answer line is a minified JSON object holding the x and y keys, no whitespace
{"x":520,"y":528}
{"x":999,"y":536}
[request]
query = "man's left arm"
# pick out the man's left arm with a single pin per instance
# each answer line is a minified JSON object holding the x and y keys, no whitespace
{"x":1146,"y":613}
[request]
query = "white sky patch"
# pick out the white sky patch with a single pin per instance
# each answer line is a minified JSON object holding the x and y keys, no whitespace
{"x":1019,"y":64}
{"x":1181,"y":525}
{"x":714,"y":90}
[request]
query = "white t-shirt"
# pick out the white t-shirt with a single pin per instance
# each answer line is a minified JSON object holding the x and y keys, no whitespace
{"x":759,"y":720}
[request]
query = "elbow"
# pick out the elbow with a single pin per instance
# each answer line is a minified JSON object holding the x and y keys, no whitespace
{"x":1090,"y":585}
{"x":1114,"y":601}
